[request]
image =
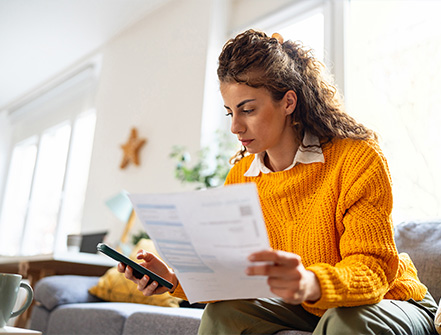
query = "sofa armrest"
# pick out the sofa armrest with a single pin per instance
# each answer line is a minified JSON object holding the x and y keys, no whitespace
{"x":53,"y":291}
{"x":422,"y":241}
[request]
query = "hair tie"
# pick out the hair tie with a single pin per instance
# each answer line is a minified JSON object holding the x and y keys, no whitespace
{"x":278,"y":37}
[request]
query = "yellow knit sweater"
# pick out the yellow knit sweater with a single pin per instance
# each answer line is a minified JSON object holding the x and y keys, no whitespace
{"x":337,"y":216}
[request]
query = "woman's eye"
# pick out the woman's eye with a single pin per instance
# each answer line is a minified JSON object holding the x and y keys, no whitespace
{"x":245,"y":111}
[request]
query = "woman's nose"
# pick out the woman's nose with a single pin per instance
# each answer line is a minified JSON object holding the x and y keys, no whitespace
{"x":236,"y":126}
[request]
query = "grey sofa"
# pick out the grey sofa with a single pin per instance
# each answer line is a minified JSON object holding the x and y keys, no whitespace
{"x":64,"y":306}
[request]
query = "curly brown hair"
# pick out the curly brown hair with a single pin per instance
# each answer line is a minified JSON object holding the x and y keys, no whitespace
{"x":257,"y":60}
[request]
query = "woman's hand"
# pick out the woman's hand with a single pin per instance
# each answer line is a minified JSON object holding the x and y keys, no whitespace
{"x":155,"y":265}
{"x":287,"y":277}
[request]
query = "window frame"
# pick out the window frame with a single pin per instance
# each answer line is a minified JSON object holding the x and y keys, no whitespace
{"x":62,"y":101}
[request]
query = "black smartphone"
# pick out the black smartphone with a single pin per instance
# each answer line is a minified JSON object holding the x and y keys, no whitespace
{"x":138,"y":270}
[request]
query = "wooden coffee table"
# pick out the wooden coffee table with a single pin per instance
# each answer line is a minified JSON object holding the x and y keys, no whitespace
{"x":36,"y":267}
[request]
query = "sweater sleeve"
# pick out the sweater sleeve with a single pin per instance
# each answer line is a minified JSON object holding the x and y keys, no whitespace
{"x":369,"y":258}
{"x":179,"y":292}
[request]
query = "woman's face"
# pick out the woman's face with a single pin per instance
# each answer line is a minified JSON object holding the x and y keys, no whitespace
{"x":260,"y":123}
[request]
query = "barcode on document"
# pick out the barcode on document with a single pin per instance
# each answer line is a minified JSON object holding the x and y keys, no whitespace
{"x":245,"y":210}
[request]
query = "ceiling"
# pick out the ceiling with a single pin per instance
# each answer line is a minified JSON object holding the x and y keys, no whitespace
{"x":41,"y":38}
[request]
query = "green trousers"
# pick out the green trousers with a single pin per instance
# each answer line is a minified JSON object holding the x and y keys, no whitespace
{"x":268,"y":316}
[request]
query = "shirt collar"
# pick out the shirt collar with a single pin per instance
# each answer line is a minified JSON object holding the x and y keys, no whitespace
{"x":312,"y":155}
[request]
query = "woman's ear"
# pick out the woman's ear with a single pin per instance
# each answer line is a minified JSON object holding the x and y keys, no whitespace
{"x":290,"y":101}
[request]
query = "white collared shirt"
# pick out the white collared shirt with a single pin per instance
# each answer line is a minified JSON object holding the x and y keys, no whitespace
{"x":312,"y":155}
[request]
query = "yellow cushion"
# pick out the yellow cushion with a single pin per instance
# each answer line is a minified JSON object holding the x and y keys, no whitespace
{"x":114,"y":287}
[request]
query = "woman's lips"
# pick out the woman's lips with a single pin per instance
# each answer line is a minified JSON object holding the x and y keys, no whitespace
{"x":245,"y":143}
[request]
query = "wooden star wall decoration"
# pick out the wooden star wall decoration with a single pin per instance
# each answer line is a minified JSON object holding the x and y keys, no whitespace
{"x":131,"y":149}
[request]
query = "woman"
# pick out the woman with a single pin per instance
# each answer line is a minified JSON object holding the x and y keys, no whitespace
{"x":325,"y":192}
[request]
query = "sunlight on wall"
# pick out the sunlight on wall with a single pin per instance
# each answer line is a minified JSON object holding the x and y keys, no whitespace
{"x":393,"y":85}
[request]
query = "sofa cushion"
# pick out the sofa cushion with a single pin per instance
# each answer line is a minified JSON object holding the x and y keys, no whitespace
{"x":90,"y":318}
{"x":162,"y":321}
{"x":422,"y":241}
{"x":58,"y":290}
{"x":39,"y":318}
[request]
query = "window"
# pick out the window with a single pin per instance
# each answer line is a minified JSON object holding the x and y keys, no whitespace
{"x":45,"y":190}
{"x":18,"y":188}
{"x":304,"y":21}
{"x":48,"y":170}
{"x":384,"y":55}
{"x":318,"y":25}
{"x":309,"y":31}
{"x":393,"y":83}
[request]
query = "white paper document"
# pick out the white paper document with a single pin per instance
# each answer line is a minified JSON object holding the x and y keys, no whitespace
{"x":206,"y":237}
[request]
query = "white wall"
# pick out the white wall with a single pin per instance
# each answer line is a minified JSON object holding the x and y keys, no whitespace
{"x":245,"y":13}
{"x":5,"y":137}
{"x":152,"y":78}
